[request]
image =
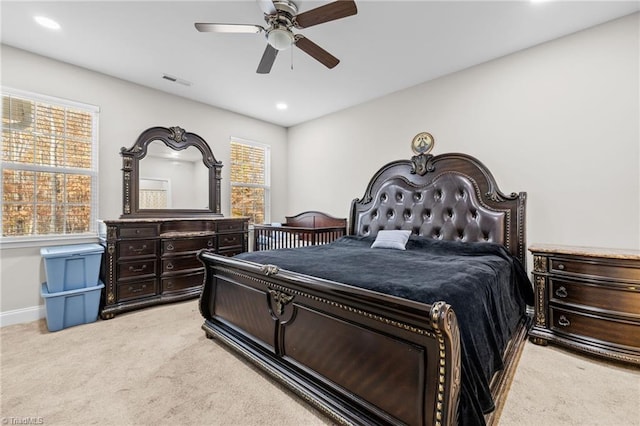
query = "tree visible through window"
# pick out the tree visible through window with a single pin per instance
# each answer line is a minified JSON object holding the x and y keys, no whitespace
{"x":49,"y":166}
{"x":250,"y":180}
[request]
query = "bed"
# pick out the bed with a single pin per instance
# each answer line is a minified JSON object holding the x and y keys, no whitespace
{"x":301,"y":230}
{"x":350,"y":342}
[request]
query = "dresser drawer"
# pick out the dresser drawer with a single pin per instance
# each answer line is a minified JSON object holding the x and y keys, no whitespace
{"x":594,"y":295}
{"x":138,"y":268}
{"x":139,"y":232}
{"x":619,"y":332}
{"x":180,"y":263}
{"x":230,"y":252}
{"x":137,"y":289}
{"x":593,"y":269}
{"x":226,"y":241}
{"x":178,"y":246}
{"x":137,"y":248}
{"x":230,"y":226}
{"x":181,"y":282}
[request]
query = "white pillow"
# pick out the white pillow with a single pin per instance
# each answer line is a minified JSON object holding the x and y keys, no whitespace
{"x":395,"y":239}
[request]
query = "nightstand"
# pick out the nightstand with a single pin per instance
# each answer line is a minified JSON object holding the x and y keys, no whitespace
{"x":588,"y":299}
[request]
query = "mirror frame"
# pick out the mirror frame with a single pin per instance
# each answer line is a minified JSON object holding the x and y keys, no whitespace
{"x":177,"y":139}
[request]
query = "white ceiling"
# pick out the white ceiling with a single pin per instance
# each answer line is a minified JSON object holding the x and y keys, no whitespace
{"x":387,"y":46}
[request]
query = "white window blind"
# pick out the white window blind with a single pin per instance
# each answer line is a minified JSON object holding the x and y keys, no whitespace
{"x":49,"y":166}
{"x":250,"y":175}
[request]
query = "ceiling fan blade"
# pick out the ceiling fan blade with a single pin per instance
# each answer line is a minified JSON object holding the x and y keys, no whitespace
{"x":267,"y":7}
{"x":268,"y":58}
{"x":328,"y":12}
{"x":228,"y":28}
{"x":316,"y":52}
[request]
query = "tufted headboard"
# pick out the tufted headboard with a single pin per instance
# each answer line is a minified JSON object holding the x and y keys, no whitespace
{"x":449,"y":196}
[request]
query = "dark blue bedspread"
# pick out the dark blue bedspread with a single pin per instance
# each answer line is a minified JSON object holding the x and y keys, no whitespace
{"x":487,"y":288}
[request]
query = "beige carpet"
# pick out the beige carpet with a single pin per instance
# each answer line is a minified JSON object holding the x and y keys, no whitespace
{"x":155,"y":366}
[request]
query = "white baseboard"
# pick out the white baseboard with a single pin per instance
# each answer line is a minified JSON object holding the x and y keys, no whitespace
{"x":19,"y":316}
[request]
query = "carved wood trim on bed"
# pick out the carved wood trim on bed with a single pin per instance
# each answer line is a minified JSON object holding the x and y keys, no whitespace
{"x":448,"y":196}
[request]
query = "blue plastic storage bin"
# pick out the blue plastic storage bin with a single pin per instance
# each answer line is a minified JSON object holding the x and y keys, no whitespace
{"x":68,"y":308}
{"x":72,"y":267}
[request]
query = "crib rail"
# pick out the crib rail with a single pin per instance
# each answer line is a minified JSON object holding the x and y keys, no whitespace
{"x":267,"y":237}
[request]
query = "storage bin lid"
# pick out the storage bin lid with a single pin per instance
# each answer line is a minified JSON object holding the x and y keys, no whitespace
{"x":44,"y":291}
{"x":70,"y":250}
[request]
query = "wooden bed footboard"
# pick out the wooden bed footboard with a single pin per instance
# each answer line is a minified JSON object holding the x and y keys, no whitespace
{"x":360,"y":357}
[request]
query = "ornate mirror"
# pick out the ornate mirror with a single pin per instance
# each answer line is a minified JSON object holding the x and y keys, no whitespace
{"x":170,"y":173}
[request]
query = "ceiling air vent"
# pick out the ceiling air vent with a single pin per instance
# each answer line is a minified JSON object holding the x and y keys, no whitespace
{"x":176,"y":80}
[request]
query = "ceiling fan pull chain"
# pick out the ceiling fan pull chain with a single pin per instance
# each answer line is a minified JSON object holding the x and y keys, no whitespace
{"x":291,"y":59}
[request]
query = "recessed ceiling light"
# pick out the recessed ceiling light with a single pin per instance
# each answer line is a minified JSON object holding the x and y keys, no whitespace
{"x":281,"y":106}
{"x":47,"y":22}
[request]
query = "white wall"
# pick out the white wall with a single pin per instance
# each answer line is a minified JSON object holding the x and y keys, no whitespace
{"x":559,"y":121}
{"x":126,"y":110}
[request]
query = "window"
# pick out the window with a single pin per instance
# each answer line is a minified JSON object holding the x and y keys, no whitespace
{"x":250,"y":175}
{"x":49,"y":166}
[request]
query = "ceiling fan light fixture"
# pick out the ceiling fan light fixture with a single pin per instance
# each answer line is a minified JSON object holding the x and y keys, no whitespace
{"x":280,"y":39}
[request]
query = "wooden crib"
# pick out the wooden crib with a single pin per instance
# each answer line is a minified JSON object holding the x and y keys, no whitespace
{"x":304,"y":229}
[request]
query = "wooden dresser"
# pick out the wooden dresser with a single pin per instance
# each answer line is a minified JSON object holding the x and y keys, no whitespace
{"x":588,"y":299}
{"x":152,"y":261}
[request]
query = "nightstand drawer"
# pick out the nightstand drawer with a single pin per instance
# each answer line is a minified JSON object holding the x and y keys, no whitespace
{"x":592,"y":269}
{"x":137,"y":248}
{"x":596,"y":295}
{"x":619,"y":332}
{"x":137,"y":289}
{"x":181,"y":282}
{"x":180,"y":246}
{"x":180,"y":263}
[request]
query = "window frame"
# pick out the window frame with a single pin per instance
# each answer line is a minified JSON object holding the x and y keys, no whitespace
{"x":37,"y":240}
{"x":267,"y":177}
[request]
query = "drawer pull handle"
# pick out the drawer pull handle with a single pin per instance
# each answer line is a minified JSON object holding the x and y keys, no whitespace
{"x":138,"y":250}
{"x":229,"y":239}
{"x":169,"y":285}
{"x":132,"y":269}
{"x":170,"y":247}
{"x":138,"y":289}
{"x":561,"y":292}
{"x":169,"y":265}
{"x":561,"y":266}
{"x":210,"y":243}
{"x":563,"y":321}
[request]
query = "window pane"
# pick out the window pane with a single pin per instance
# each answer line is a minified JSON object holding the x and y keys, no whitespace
{"x":77,"y":219}
{"x":78,"y":154}
{"x":17,"y":219}
{"x":247,"y":164}
{"x":78,"y":189}
{"x":17,"y":147}
{"x":50,"y":119}
{"x":45,"y":221}
{"x":79,"y":126}
{"x":18,"y":186}
{"x":17,"y":114}
{"x":248,"y":202}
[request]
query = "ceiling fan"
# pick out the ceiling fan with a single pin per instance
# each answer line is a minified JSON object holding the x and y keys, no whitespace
{"x":282,"y":16}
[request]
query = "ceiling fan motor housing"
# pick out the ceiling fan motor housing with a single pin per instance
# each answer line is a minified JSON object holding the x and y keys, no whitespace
{"x":286,"y":7}
{"x":279,"y":34}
